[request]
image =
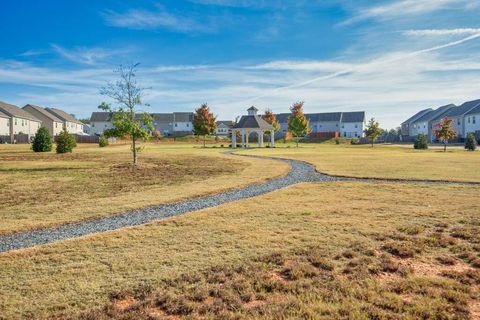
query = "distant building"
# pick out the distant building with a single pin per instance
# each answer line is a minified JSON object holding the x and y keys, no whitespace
{"x":21,"y":123}
{"x":224,"y":128}
{"x":53,"y":124}
{"x":168,"y":124}
{"x":344,"y":124}
{"x":464,"y":120}
{"x":72,"y":125}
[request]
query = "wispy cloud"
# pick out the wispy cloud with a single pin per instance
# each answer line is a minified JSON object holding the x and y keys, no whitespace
{"x":83,"y":55}
{"x":406,"y":8}
{"x":157,"y":18}
{"x":441,"y":32}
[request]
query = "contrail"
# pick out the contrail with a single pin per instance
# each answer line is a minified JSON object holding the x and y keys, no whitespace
{"x":359,"y":68}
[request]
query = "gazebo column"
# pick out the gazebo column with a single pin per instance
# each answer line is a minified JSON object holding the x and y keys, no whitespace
{"x":260,"y":138}
{"x":234,"y":139}
{"x":243,"y":138}
{"x":272,"y":138}
{"x":246,"y":138}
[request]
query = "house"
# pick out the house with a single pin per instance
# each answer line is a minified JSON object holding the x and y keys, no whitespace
{"x":69,"y":122}
{"x":4,"y":128}
{"x":99,"y":122}
{"x":224,"y":128}
{"x":345,"y":124}
{"x":22,"y":125}
{"x":352,"y":124}
{"x":472,"y":123}
{"x":168,"y":124}
{"x":458,"y":116}
{"x":407,"y":127}
{"x":49,"y":120}
{"x":424,"y":124}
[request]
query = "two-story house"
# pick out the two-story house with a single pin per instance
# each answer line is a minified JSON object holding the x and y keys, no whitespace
{"x":53,"y":124}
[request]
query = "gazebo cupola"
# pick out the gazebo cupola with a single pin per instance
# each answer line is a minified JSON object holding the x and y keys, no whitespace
{"x":252,"y":123}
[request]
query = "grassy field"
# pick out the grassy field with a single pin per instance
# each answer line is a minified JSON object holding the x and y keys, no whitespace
{"x":312,"y":251}
{"x":383,"y":161}
{"x":47,"y":189}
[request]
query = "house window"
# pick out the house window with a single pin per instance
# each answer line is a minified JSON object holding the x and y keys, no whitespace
{"x":105,"y":125}
{"x":93,"y":125}
{"x":188,"y":125}
{"x":458,"y":121}
{"x":176,"y":125}
{"x":15,"y":121}
{"x":8,"y":123}
{"x":356,"y":126}
{"x":468,"y":119}
{"x":473,"y":119}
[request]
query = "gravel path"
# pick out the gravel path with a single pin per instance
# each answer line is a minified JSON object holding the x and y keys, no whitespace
{"x":299,"y":172}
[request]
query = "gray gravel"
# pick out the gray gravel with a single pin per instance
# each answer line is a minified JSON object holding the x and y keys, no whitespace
{"x":300,"y":172}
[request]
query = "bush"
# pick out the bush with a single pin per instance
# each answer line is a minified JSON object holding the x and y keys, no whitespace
{"x":421,"y":142}
{"x":355,"y":141}
{"x":337,"y":141}
{"x":471,"y":143}
{"x":65,"y":142}
{"x":42,"y":142}
{"x":103,"y":141}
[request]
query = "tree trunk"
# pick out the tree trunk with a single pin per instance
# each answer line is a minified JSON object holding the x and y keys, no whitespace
{"x":134,"y":149}
{"x":372,"y":143}
{"x":296,"y":140}
{"x":204,"y":141}
{"x":445,"y":146}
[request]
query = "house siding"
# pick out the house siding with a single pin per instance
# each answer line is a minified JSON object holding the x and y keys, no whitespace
{"x":352,"y":129}
{"x":472,"y":123}
{"x":4,"y":126}
{"x":97,"y":127}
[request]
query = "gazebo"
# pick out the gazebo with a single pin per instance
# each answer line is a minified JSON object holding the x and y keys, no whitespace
{"x":252,"y":123}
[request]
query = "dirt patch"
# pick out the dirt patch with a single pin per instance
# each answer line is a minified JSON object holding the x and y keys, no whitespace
{"x":124,"y":304}
{"x":254,"y":304}
{"x":277,"y":276}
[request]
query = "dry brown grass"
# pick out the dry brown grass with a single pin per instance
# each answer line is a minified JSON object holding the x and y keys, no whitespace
{"x":47,"y":189}
{"x":179,"y":266}
{"x":384,"y":161}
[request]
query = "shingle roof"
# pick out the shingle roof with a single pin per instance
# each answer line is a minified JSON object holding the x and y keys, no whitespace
{"x":355,"y":116}
{"x":463,"y":109}
{"x":182,"y":116}
{"x":434,"y":114}
{"x":474,"y":110}
{"x":14,"y":111}
{"x":63,"y":115}
{"x":417,"y":115}
{"x":252,"y":108}
{"x":41,"y":110}
{"x":324,"y":117}
{"x":3,"y":115}
{"x":253,"y":122}
{"x":226,"y":123}
{"x":162,"y":117}
{"x":282,"y":117}
{"x":101,"y":117}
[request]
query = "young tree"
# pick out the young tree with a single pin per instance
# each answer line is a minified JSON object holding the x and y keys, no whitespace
{"x":297,"y":122}
{"x":373,"y":130}
{"x":127,"y":93}
{"x":271,"y":118}
{"x":42,"y":142}
{"x":444,"y":131}
{"x":471,"y":142}
{"x":103,"y":141}
{"x":421,"y":142}
{"x":203,"y":122}
{"x":65,"y":142}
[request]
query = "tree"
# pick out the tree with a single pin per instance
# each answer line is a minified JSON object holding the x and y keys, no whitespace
{"x":444,"y":131}
{"x":471,"y":142}
{"x":203,"y":122}
{"x":421,"y":142}
{"x":373,"y":130}
{"x":127,"y":93}
{"x":271,"y":118}
{"x":42,"y":142}
{"x":103,"y":141}
{"x":297,"y":122}
{"x":65,"y":142}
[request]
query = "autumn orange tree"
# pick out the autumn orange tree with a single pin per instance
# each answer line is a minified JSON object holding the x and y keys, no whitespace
{"x":444,"y":131}
{"x":203,"y":122}
{"x":271,"y":118}
{"x":298,"y":124}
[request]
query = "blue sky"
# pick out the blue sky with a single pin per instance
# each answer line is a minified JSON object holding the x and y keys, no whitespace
{"x":389,"y":58}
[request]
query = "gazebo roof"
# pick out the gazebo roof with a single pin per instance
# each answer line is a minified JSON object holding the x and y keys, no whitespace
{"x":253,"y":122}
{"x":252,"y":108}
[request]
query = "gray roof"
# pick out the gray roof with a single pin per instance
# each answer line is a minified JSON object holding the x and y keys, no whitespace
{"x":183,"y":116}
{"x":63,"y":115}
{"x":41,"y":110}
{"x":356,"y":116}
{"x":101,"y":117}
{"x":434,"y":114}
{"x":253,"y":122}
{"x":3,"y":115}
{"x":226,"y":123}
{"x":463,"y":109}
{"x":162,"y":117}
{"x":14,"y":111}
{"x":252,"y":108}
{"x":324,"y":117}
{"x":475,"y":110}
{"x":417,"y":115}
{"x":283,"y":117}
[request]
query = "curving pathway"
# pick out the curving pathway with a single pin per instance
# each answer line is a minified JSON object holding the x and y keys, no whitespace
{"x":299,"y":172}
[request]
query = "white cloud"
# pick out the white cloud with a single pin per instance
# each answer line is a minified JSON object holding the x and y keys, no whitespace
{"x":155,"y":19}
{"x":82,"y":55}
{"x":442,"y":32}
